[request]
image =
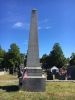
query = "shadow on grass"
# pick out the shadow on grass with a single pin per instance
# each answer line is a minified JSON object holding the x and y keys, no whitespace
{"x":11,"y":88}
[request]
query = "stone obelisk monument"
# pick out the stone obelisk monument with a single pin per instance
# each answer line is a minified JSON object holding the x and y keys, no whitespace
{"x":34,"y":80}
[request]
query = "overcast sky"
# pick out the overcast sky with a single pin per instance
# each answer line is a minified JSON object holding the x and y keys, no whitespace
{"x":56,"y":24}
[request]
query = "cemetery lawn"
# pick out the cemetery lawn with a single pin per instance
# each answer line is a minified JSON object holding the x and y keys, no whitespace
{"x":8,"y":77}
{"x":54,"y":91}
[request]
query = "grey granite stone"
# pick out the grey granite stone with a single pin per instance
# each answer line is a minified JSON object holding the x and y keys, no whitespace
{"x":34,"y":80}
{"x":34,"y":84}
{"x":33,"y":50}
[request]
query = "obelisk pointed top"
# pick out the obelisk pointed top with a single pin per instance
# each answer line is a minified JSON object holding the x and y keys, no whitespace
{"x":34,"y":10}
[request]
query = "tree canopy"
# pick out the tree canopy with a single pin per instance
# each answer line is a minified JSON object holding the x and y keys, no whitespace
{"x":13,"y":58}
{"x":55,"y":58}
{"x":72,"y":59}
{"x":2,"y":53}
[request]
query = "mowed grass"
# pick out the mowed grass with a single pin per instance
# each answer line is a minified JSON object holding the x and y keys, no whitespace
{"x":54,"y":91}
{"x":8,"y":77}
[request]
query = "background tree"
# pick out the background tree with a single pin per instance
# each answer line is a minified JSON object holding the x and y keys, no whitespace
{"x":44,"y":61}
{"x":2,"y":53}
{"x":72,"y":59}
{"x":56,"y":56}
{"x":13,"y":58}
{"x":25,"y":60}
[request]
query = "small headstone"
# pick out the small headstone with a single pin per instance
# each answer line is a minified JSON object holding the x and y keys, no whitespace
{"x":71,"y":73}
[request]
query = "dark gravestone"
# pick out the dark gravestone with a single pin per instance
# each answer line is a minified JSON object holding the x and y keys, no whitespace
{"x":49,"y":75}
{"x":62,"y":74}
{"x":54,"y":71}
{"x":62,"y":77}
{"x":71,"y":73}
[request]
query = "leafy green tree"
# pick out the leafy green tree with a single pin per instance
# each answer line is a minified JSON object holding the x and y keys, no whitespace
{"x":56,"y":56}
{"x":2,"y":53}
{"x":23,"y":57}
{"x":44,"y":61}
{"x":72,"y":59}
{"x":13,"y":58}
{"x":25,"y":60}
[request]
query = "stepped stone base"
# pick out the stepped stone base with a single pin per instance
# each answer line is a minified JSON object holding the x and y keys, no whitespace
{"x":34,"y":71}
{"x":34,"y":84}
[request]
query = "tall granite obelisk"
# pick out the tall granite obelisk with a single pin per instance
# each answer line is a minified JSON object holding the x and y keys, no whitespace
{"x":34,"y":80}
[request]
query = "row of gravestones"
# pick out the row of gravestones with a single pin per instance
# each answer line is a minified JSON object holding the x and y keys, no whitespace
{"x":70,"y":75}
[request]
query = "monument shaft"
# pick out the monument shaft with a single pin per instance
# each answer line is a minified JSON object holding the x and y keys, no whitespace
{"x":34,"y":80}
{"x":33,"y":51}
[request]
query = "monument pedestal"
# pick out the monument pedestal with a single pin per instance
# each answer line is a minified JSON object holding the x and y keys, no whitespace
{"x":34,"y":80}
{"x":34,"y":84}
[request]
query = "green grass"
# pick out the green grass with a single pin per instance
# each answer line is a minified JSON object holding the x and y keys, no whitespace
{"x":54,"y":91}
{"x":8,"y":77}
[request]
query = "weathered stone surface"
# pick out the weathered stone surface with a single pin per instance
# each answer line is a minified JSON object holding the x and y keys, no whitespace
{"x":33,"y":50}
{"x":34,"y":81}
{"x":34,"y":84}
{"x":34,"y":71}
